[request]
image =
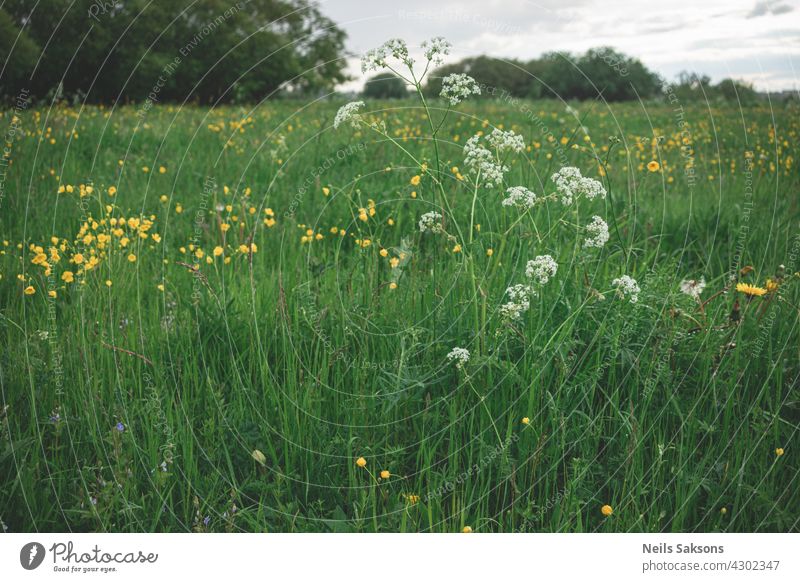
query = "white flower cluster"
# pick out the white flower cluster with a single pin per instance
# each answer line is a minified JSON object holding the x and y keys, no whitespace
{"x":520,"y":197}
{"x":458,"y":355}
{"x":505,"y":141}
{"x":520,"y":301}
{"x":693,"y":288}
{"x":457,"y":87}
{"x":435,"y":49}
{"x":571,"y":184}
{"x":627,"y":287}
{"x":348,"y":112}
{"x":375,"y":59}
{"x":597,"y":230}
{"x":481,"y":161}
{"x":430,"y":222}
{"x":542,"y":269}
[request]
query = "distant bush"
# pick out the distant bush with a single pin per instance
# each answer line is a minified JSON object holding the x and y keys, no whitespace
{"x":385,"y":86}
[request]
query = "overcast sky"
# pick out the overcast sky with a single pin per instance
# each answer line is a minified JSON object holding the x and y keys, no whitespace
{"x":755,"y":40}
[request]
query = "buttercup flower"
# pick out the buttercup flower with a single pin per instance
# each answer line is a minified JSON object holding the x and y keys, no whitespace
{"x":361,"y":462}
{"x":542,"y":269}
{"x":598,"y":233}
{"x":606,"y":510}
{"x":457,"y":87}
{"x":627,"y":287}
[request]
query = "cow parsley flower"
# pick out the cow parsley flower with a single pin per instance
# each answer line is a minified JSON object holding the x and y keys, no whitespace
{"x":435,"y":49}
{"x":506,"y":141}
{"x":430,"y":222}
{"x":457,"y":87}
{"x":458,"y":355}
{"x":481,"y":161}
{"x":693,"y":288}
{"x":571,"y":184}
{"x":520,"y":301}
{"x":542,"y":269}
{"x":520,"y":197}
{"x":375,"y":59}
{"x":598,"y":233}
{"x":348,"y":112}
{"x":627,"y":287}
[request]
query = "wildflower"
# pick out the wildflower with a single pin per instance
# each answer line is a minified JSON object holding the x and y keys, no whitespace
{"x":723,"y":510}
{"x":120,"y":427}
{"x":67,"y":277}
{"x":606,"y":510}
{"x":112,"y":190}
{"x":505,"y":141}
{"x":654,"y":166}
{"x":348,"y":113}
{"x":218,"y":250}
{"x":771,"y":285}
{"x":382,"y":252}
{"x":489,"y":252}
{"x":526,"y":420}
{"x":375,"y":59}
{"x":481,"y":161}
{"x":693,"y":288}
{"x":385,"y":474}
{"x":542,"y":269}
{"x":466,"y":529}
{"x":412,"y":499}
{"x":457,"y":87}
{"x":160,"y":287}
{"x":779,"y":452}
{"x":435,"y":49}
{"x":29,"y":290}
{"x":259,"y":457}
{"x":52,"y":293}
{"x":392,"y":285}
{"x":415,"y":181}
{"x":627,"y":287}
{"x":458,"y":355}
{"x":571,"y":184}
{"x":598,"y":233}
{"x":131,"y":258}
{"x":520,"y":301}
{"x":750,"y":290}
{"x":520,"y":197}
{"x":457,"y":248}
{"x":361,"y":462}
{"x":430,"y":222}
{"x":108,"y":283}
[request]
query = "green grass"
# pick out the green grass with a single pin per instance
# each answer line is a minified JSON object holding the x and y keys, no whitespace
{"x":668,"y":413}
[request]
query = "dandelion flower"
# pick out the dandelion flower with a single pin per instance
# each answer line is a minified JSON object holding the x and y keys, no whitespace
{"x":750,"y":290}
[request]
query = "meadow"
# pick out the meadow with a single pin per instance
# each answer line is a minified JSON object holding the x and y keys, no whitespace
{"x":237,"y":318}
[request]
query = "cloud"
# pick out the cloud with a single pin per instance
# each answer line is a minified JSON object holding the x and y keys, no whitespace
{"x":765,"y":7}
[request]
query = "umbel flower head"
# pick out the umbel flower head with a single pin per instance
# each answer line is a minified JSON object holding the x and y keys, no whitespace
{"x":348,"y":112}
{"x":520,"y":197}
{"x":520,"y":301}
{"x":597,"y":231}
{"x":627,"y":288}
{"x":457,"y":87}
{"x":431,"y":222}
{"x":434,"y":50}
{"x":458,"y":355}
{"x":541,"y":269}
{"x":571,"y":184}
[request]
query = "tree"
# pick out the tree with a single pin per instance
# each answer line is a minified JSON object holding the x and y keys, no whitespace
{"x":385,"y":86}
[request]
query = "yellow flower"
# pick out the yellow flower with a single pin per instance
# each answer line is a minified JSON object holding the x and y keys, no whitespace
{"x":29,"y":290}
{"x":779,"y":452}
{"x":457,"y":248}
{"x":67,"y":277}
{"x":385,"y":474}
{"x":606,"y":510}
{"x":723,"y":510}
{"x":361,"y":462}
{"x":750,"y":290}
{"x":217,"y":251}
{"x":654,"y":166}
{"x":160,"y":287}
{"x":162,"y":170}
{"x":412,"y":499}
{"x":384,"y":252}
{"x":326,"y":191}
{"x":415,"y":180}
{"x":52,"y":293}
{"x":526,"y":420}
{"x":77,"y":258}
{"x":771,"y":285}
{"x":108,"y":283}
{"x":112,"y":190}
{"x":489,"y":252}
{"x":466,"y":529}
{"x":394,"y":261}
{"x":131,"y":258}
{"x":178,"y":208}
{"x":224,"y":227}
{"x":392,"y":285}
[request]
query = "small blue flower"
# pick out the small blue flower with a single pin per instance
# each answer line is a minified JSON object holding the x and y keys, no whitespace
{"x":120,"y":427}
{"x":206,"y":520}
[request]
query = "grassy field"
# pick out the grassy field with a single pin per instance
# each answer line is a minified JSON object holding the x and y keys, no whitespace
{"x":211,"y":316}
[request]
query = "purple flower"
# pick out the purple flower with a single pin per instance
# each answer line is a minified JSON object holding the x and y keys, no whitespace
{"x":120,"y":427}
{"x":206,"y":520}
